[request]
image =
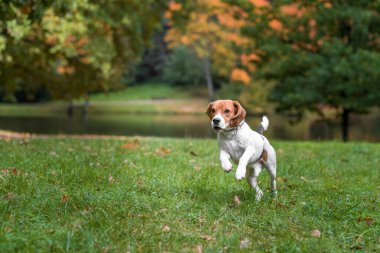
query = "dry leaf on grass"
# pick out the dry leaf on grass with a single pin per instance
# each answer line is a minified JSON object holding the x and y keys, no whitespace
{"x":166,"y":228}
{"x":64,"y":199}
{"x":110,"y":179}
{"x":198,"y":249}
{"x":237,"y":200}
{"x":131,"y":144}
{"x":197,"y":168}
{"x":316,"y":233}
{"x":367,"y":220}
{"x":207,"y":238}
{"x":162,"y":151}
{"x":10,"y":196}
{"x":244,"y":243}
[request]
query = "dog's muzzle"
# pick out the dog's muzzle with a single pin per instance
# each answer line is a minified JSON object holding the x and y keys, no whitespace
{"x":217,"y":123}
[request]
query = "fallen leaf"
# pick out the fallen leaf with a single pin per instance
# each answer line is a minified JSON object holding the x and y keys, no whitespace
{"x":166,"y":228}
{"x":367,"y":220}
{"x":106,"y":249}
{"x":207,"y":238}
{"x":244,"y":243}
{"x":162,"y":151}
{"x":237,"y":200}
{"x":163,"y":210}
{"x":15,"y":171}
{"x":10,"y":196}
{"x":197,"y":168}
{"x":199,"y":248}
{"x":316,"y":233}
{"x":131,"y":145}
{"x":53,"y":153}
{"x":357,"y":247}
{"x":281,"y":205}
{"x":5,"y":171}
{"x":110,"y":179}
{"x":64,"y":198}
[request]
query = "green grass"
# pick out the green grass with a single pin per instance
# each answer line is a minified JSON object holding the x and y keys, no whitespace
{"x":70,"y":195}
{"x":149,"y":91}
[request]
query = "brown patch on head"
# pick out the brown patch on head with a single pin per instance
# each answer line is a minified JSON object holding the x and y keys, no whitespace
{"x":231,"y":111}
{"x":239,"y":114}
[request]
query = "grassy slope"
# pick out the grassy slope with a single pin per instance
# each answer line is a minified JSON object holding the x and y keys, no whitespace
{"x":59,"y":198}
{"x":148,"y":91}
{"x":159,"y":98}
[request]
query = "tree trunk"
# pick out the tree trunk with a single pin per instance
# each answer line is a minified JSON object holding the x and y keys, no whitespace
{"x":70,"y":108}
{"x":86,"y":104}
{"x":345,"y":124}
{"x":210,"y":85}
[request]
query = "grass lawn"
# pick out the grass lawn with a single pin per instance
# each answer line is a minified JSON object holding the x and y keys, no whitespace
{"x":161,"y":194}
{"x":147,"y":98}
{"x":151,"y":90}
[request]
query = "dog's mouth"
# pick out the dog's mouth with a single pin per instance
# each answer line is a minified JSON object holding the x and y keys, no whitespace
{"x":216,"y":128}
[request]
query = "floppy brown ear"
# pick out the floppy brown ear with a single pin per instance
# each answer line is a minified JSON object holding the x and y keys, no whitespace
{"x":208,"y":111}
{"x":239,"y":115}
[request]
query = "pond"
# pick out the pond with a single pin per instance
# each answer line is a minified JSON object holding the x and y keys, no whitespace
{"x":363,"y":127}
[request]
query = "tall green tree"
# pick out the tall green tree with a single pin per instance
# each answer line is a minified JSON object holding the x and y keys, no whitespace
{"x":321,"y":55}
{"x":72,"y":47}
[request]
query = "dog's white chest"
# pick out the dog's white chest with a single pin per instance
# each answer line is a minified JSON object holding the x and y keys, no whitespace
{"x":234,"y":148}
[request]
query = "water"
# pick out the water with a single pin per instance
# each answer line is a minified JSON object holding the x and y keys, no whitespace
{"x":364,"y":128}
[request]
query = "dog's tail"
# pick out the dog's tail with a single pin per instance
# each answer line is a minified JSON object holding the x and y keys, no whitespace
{"x":263,"y":125}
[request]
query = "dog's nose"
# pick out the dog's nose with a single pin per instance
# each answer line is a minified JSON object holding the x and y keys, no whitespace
{"x":216,"y":121}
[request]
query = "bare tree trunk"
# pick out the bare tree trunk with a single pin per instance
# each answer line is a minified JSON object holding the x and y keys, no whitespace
{"x":210,"y":84}
{"x":86,"y":104}
{"x":70,"y":108}
{"x":345,"y":124}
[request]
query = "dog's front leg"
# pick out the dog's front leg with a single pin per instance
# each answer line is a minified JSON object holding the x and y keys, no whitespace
{"x":243,"y":162}
{"x":225,"y":161}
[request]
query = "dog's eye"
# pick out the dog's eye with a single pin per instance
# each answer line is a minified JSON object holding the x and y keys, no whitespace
{"x":213,"y":110}
{"x":227,"y":111}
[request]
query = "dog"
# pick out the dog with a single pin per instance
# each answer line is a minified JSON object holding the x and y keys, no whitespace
{"x":249,"y":149}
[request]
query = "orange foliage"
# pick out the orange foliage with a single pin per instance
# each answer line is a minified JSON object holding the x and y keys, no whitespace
{"x":174,"y":6}
{"x":240,"y":75}
{"x":212,"y":31}
{"x":276,"y":24}
{"x":259,"y":3}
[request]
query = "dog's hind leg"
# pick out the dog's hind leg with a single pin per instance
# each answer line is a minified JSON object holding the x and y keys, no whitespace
{"x":252,"y":174}
{"x":272,"y":173}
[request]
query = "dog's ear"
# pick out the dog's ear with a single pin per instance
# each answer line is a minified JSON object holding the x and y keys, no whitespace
{"x":208,"y":111}
{"x":239,"y":115}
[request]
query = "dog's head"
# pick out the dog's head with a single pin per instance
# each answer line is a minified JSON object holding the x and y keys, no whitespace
{"x":225,"y":114}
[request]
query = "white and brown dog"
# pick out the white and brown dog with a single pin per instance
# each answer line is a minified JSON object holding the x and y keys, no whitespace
{"x":249,"y":149}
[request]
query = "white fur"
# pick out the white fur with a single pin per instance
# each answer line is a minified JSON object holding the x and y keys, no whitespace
{"x":223,"y":124}
{"x":265,"y":122}
{"x":245,"y":147}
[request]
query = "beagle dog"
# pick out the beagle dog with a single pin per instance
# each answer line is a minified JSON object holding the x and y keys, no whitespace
{"x":249,"y":149}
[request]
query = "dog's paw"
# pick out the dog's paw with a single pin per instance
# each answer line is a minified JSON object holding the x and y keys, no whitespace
{"x":259,"y":194}
{"x":240,"y":174}
{"x":227,"y":167}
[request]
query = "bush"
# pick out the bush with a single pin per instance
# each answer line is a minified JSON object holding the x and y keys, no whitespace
{"x":183,"y":68}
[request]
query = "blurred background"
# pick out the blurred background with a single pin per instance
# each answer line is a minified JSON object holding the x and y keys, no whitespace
{"x":149,"y":68}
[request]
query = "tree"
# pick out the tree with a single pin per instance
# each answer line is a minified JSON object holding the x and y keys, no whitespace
{"x":211,"y":28}
{"x":72,"y":47}
{"x":321,"y":55}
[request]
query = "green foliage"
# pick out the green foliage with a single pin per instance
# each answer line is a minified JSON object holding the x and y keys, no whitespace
{"x":77,"y":195}
{"x":325,"y":55}
{"x":72,"y":47}
{"x":183,"y":67}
